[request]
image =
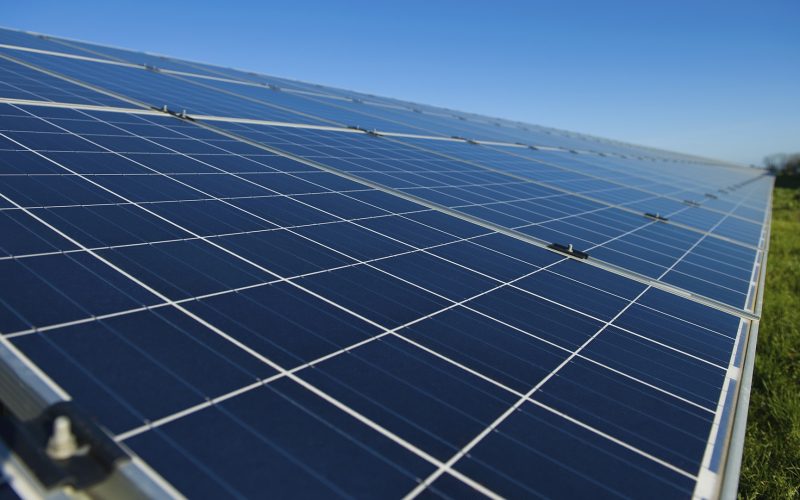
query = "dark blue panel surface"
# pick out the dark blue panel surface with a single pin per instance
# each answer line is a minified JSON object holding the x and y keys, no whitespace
{"x":280,"y":439}
{"x":41,"y":191}
{"x":535,"y":453}
{"x":502,"y":353}
{"x":423,"y":399}
{"x":110,"y":225}
{"x":354,"y":240}
{"x":22,"y":236}
{"x":437,"y":275}
{"x":154,"y":363}
{"x":485,"y":260}
{"x":657,"y":364}
{"x":409,"y":328}
{"x":21,"y":82}
{"x":74,"y":286}
{"x":375,"y":295}
{"x":283,"y":252}
{"x":185,"y":269}
{"x":647,"y":419}
{"x":159,"y":89}
{"x":548,"y":320}
{"x":573,"y":293}
{"x":524,"y":196}
{"x":209,"y":217}
{"x":282,"y":323}
{"x":36,"y":41}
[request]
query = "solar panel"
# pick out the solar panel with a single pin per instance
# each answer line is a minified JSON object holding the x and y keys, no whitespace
{"x":247,"y":285}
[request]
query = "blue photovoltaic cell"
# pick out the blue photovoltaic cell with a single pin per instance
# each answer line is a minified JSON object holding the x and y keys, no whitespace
{"x":262,"y":442}
{"x":254,"y":308}
{"x":564,"y":460}
{"x":166,"y":355}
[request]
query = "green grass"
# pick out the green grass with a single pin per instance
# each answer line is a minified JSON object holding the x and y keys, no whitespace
{"x":771,"y":460}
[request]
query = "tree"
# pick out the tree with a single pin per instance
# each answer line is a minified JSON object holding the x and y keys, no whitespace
{"x":783,"y":164}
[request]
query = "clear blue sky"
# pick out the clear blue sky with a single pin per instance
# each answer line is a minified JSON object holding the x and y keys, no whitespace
{"x":716,"y":78}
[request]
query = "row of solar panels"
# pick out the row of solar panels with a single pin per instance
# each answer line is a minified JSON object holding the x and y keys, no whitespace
{"x":625,"y":190}
{"x":244,"y":303}
{"x":301,"y":102}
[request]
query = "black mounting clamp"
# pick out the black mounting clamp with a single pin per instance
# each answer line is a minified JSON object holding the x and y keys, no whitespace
{"x":468,"y":141}
{"x":569,"y":250}
{"x":656,"y":216}
{"x":165,"y":109}
{"x":183,"y":116}
{"x":371,"y":132}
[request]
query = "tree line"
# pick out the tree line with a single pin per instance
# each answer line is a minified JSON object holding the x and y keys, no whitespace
{"x":783,"y":163}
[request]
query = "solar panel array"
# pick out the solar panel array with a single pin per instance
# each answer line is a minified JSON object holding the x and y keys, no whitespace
{"x":263,"y":285}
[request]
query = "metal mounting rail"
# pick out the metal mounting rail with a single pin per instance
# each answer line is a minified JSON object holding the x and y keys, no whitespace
{"x":84,"y":107}
{"x":733,"y":461}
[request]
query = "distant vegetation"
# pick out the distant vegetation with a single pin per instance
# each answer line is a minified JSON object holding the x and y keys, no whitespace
{"x":771,"y":461}
{"x":783,"y":165}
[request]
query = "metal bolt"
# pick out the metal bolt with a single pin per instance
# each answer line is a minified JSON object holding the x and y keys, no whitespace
{"x":62,"y":443}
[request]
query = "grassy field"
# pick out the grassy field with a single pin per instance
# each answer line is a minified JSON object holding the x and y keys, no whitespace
{"x":771,"y":461}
